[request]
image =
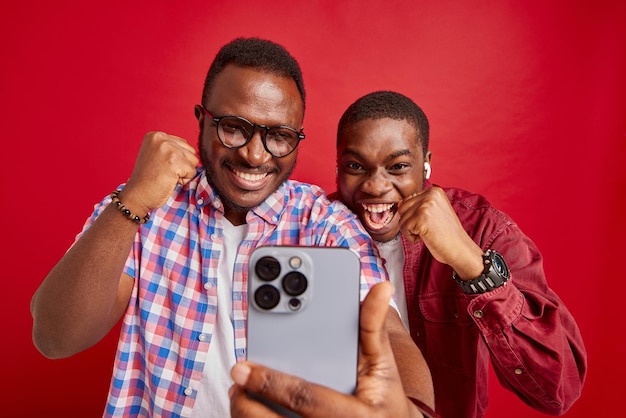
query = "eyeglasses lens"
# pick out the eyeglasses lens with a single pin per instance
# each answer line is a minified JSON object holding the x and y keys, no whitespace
{"x":235,"y":132}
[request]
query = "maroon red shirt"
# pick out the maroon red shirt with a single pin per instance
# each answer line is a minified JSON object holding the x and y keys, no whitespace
{"x":524,"y":328}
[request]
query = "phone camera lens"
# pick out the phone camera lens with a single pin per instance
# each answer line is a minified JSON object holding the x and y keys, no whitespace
{"x":294,"y":283}
{"x":267,"y":296}
{"x":267,"y":268}
{"x":294,"y":304}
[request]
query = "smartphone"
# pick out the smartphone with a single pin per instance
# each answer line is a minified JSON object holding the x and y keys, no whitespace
{"x":303,"y":314}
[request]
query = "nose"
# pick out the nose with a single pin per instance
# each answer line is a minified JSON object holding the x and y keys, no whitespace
{"x":254,"y":151}
{"x":377,"y":184}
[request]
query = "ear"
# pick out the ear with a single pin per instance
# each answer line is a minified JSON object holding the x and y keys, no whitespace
{"x":199,"y":112}
{"x":427,"y":167}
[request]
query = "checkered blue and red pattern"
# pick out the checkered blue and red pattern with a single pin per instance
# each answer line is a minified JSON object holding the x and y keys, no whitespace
{"x":169,"y":323}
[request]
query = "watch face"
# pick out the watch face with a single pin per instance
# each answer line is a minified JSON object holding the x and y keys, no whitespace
{"x":500,"y":266}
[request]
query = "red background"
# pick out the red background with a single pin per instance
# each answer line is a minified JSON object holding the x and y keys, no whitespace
{"x":526,"y":100}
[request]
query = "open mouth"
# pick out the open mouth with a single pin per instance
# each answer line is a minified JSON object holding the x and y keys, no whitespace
{"x":252,"y":177}
{"x":378,"y":215}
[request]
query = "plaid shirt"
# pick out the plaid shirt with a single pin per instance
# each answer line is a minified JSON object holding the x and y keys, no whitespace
{"x":169,"y":323}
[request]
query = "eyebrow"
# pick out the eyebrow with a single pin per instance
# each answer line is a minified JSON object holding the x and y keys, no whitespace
{"x":392,"y":156}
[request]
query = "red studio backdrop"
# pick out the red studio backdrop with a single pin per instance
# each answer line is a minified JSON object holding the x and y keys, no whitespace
{"x":527,"y":103}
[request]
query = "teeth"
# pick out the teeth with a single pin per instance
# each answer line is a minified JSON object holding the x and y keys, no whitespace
{"x":372,"y":217}
{"x":249,"y":176}
{"x":377,"y":208}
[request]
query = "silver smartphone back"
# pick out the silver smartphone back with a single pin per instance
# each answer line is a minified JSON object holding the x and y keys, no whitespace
{"x":303,"y":313}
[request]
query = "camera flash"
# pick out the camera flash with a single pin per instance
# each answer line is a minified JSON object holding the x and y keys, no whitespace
{"x":295,"y":262}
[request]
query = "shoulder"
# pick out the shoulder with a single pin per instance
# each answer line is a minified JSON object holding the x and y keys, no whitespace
{"x":315,"y":198}
{"x":464,"y":200}
{"x":316,"y":211}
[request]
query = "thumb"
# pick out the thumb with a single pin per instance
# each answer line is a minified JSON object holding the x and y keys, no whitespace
{"x":373,"y":315}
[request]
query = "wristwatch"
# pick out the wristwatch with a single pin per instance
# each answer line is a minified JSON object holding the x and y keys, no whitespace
{"x":495,"y":274}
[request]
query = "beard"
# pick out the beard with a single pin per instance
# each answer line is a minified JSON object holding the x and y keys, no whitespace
{"x":232,"y":206}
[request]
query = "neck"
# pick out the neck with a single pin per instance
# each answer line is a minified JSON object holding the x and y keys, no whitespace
{"x":393,"y":240}
{"x":236,"y":217}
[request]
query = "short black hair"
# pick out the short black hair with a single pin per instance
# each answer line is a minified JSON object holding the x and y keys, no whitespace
{"x":255,"y":53}
{"x":386,"y":104}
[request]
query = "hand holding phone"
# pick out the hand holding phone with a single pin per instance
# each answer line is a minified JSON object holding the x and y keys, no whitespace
{"x":303,"y":313}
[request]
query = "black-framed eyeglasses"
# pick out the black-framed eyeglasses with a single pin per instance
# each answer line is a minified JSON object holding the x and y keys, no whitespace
{"x":236,"y":132}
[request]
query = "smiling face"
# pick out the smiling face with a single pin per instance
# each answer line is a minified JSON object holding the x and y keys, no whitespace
{"x":244,"y":177}
{"x":380,"y":162}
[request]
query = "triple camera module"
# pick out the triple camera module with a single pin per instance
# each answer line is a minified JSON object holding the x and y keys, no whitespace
{"x":293,"y":283}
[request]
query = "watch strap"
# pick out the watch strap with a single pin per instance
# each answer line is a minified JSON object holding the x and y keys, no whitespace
{"x":495,"y":274}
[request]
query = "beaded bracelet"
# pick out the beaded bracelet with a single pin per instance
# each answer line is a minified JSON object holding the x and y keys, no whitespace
{"x":116,"y":201}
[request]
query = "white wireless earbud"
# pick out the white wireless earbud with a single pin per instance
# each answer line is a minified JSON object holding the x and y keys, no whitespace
{"x":427,"y":169}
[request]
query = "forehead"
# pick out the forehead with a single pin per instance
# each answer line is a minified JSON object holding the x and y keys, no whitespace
{"x":383,"y":135}
{"x":257,"y":95}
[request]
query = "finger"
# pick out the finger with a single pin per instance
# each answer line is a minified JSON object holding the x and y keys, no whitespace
{"x":188,"y":151}
{"x":374,"y":308}
{"x":183,"y":143}
{"x":305,"y":398}
{"x":409,"y":228}
{"x":187,"y":170}
{"x":378,"y":375}
{"x":241,"y":405}
{"x":409,"y":197}
{"x":177,"y":142}
{"x":410,"y":212}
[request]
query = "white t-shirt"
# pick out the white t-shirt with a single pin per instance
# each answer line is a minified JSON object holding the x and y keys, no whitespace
{"x":212,"y":400}
{"x":393,"y":254}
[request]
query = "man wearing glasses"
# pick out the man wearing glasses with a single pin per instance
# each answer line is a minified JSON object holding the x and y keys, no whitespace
{"x":167,"y":252}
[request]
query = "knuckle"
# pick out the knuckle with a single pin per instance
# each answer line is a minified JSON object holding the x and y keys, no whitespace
{"x":301,"y":396}
{"x":295,"y":394}
{"x":264,"y":384}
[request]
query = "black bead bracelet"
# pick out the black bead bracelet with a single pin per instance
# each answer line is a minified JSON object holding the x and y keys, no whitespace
{"x":116,"y":201}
